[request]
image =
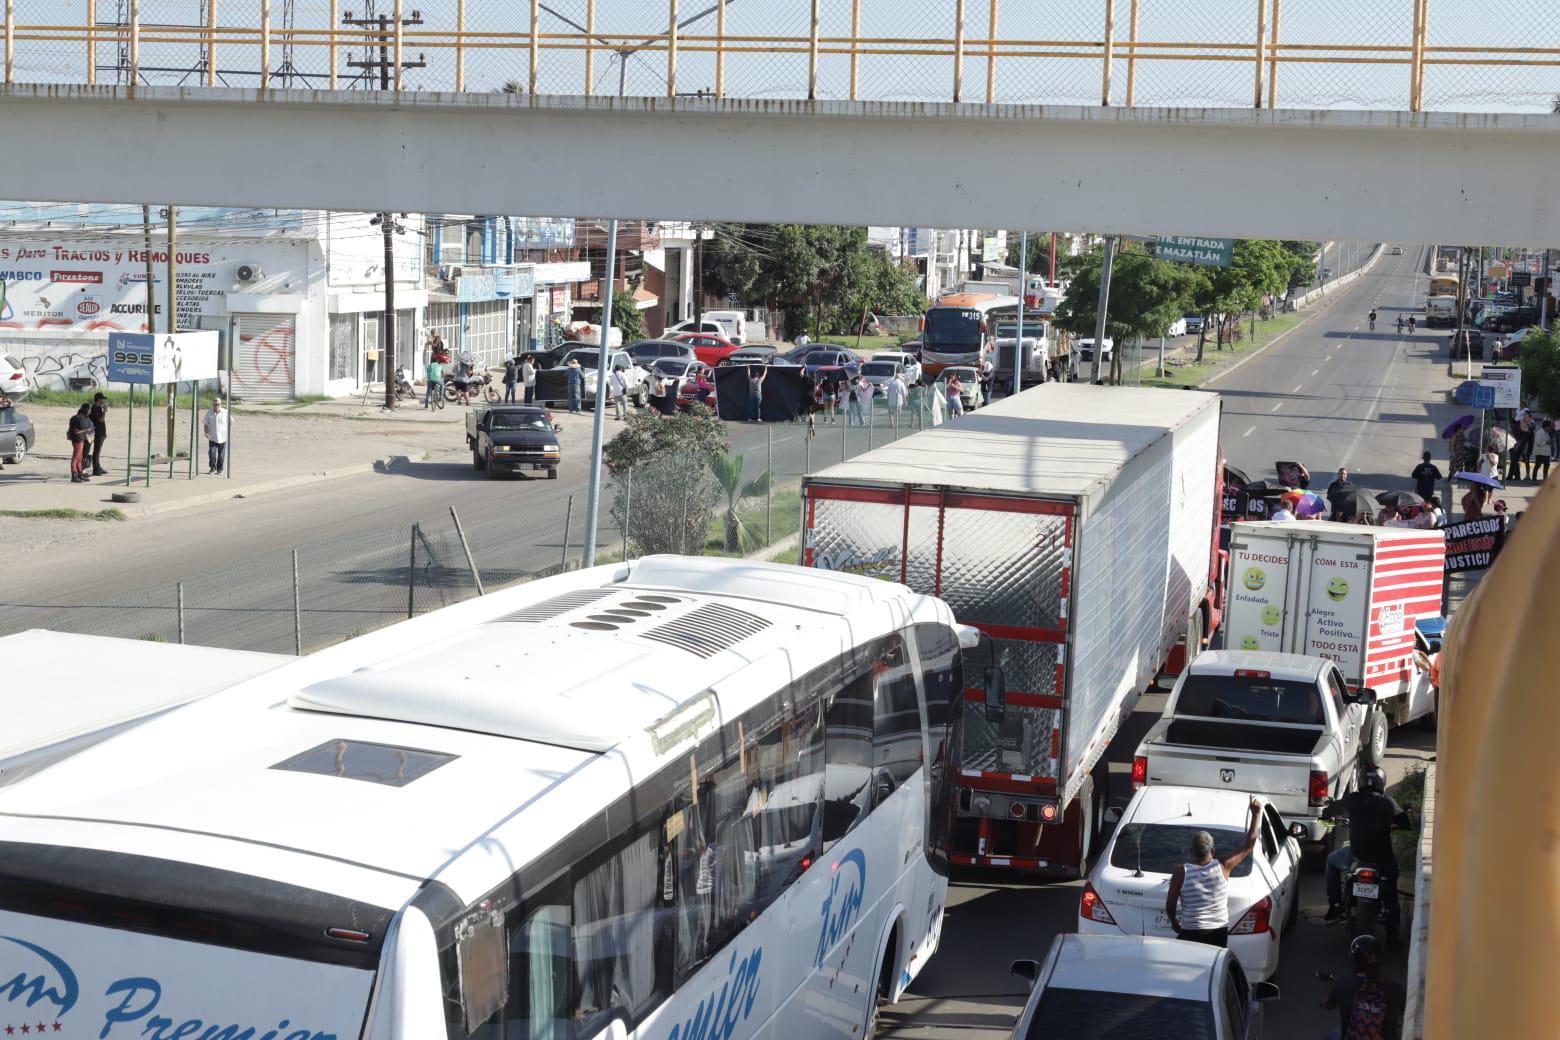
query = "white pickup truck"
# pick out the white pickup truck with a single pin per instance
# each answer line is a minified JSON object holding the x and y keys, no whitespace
{"x":1283,"y":726}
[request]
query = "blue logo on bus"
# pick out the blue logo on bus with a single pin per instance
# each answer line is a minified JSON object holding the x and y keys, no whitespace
{"x":843,"y":904}
{"x":719,"y":1014}
{"x":51,"y":981}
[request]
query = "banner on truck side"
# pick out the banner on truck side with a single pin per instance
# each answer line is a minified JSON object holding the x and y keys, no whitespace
{"x":1472,"y":545}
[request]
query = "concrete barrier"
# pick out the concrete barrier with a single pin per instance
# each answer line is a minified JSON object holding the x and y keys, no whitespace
{"x":1419,"y":934}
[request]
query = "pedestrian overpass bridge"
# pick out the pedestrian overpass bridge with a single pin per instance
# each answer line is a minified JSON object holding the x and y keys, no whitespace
{"x":1240,"y":173}
{"x":1221,"y":117}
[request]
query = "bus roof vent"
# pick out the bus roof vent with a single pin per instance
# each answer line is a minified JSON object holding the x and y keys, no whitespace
{"x":548,"y":609}
{"x":708,"y":630}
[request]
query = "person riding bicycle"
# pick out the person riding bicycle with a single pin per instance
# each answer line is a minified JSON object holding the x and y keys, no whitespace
{"x":1367,"y":1004}
{"x":1410,"y":323}
{"x":1372,"y":814}
{"x":1400,"y":323}
{"x":1373,"y":320}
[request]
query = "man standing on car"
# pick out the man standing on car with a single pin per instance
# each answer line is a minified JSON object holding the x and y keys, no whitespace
{"x":1198,"y":903}
{"x":99,"y":417}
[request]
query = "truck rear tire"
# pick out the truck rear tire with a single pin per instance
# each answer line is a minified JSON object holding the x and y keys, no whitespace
{"x":1373,"y":740}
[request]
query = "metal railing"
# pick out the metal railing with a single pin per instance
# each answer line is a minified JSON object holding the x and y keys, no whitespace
{"x":1118,"y":52}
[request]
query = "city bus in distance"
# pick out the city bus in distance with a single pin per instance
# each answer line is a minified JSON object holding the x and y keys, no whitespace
{"x":960,"y":329}
{"x":676,"y":799}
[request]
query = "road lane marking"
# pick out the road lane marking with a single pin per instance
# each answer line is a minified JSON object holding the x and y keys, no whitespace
{"x":1299,"y":386}
{"x":1276,"y":406}
{"x":1314,"y":371}
{"x":1249,"y":432}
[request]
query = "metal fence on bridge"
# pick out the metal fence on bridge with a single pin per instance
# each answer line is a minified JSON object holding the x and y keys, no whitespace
{"x":1409,"y":54}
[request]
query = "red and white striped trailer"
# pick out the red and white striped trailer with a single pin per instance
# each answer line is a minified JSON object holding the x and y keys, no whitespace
{"x":1346,"y":592}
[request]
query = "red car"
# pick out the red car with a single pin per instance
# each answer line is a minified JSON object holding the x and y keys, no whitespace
{"x":707,"y":347}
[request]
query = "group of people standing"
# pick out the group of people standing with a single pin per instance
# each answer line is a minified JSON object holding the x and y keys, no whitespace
{"x":833,"y":393}
{"x":520,"y":375}
{"x":87,"y":431}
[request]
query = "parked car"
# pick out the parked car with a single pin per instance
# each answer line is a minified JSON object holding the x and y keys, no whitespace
{"x":1507,"y":321}
{"x":638,"y":378}
{"x":17,"y":435}
{"x":709,"y":347}
{"x":1285,"y":727}
{"x":512,"y":437}
{"x":1510,"y":347}
{"x":832,"y":360}
{"x":756,"y":354}
{"x":1107,"y":987}
{"x":1194,"y":323}
{"x":647,"y":351}
{"x":1467,"y":344}
{"x":708,"y":325}
{"x":969,"y":377}
{"x":911,"y":363}
{"x":878,"y":373}
{"x":1086,"y":350}
{"x":13,"y":378}
{"x":552,"y":357}
{"x":733,"y":325}
{"x":1125,"y":893}
{"x":799,"y":355}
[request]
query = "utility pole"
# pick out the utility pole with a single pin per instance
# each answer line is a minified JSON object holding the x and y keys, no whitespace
{"x":384,"y":63}
{"x":172,"y":320}
{"x":1106,"y":264}
{"x":389,"y":228}
{"x":1023,"y":293}
{"x":599,"y":416}
{"x":1462,"y":303}
{"x":698,"y":277}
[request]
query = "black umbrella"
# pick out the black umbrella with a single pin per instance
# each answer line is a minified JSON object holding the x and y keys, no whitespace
{"x":1265,"y":488}
{"x":1352,"y":502}
{"x":1398,"y":499}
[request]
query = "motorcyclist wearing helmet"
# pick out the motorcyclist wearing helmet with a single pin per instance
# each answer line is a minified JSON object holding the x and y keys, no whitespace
{"x":1366,"y":981}
{"x":1372,"y":814}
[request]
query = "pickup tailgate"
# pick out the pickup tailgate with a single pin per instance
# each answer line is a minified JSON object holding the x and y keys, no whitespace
{"x":1272,"y":761}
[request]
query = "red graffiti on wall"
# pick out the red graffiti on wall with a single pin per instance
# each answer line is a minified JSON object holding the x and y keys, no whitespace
{"x":268,"y":362}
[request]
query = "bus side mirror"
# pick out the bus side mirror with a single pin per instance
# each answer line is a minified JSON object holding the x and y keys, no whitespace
{"x":996,"y":694}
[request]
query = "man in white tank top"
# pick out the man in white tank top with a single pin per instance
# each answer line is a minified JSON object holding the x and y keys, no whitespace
{"x":1198,"y":903}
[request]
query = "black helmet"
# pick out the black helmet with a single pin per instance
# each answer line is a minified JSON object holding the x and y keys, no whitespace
{"x":1365,"y":950}
{"x":1373,"y":778}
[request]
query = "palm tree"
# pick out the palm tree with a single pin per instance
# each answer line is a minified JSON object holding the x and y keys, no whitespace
{"x":728,"y":474}
{"x":512,"y":86}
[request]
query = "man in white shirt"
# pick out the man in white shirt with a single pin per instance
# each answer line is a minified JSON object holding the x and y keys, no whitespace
{"x":897,"y":392}
{"x":215,"y":425}
{"x":619,"y":386}
{"x":528,"y":379}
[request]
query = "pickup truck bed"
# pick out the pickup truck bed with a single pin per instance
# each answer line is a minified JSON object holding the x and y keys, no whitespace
{"x":1281,"y":740}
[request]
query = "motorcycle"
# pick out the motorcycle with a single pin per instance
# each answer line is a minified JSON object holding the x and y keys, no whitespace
{"x":403,"y":385}
{"x":1363,"y":893}
{"x":479,"y":386}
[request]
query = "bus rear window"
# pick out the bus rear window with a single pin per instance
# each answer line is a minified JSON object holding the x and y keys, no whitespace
{"x":1250,"y":700}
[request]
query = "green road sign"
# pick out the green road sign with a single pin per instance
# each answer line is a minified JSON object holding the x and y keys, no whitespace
{"x":1208,"y":252}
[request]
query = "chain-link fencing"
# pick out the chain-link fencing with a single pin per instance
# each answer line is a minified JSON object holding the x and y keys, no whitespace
{"x":316,"y":592}
{"x":1413,"y":54}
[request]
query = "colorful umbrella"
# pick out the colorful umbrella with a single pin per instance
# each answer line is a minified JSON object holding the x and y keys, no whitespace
{"x":1310,"y":504}
{"x":1460,"y":423}
{"x":1478,"y":478}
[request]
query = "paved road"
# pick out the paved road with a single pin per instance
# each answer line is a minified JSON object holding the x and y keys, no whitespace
{"x":353,"y":534}
{"x":1329,"y":393}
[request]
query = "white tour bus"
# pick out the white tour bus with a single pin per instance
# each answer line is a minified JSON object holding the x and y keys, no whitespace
{"x":680,"y":799}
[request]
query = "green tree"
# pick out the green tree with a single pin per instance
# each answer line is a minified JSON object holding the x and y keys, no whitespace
{"x":1146,"y":297}
{"x":1039,"y":249}
{"x":665,"y":504}
{"x":1223,"y":294}
{"x":650,"y":435}
{"x":1540,"y":362}
{"x":727,"y":469}
{"x":626,"y":316}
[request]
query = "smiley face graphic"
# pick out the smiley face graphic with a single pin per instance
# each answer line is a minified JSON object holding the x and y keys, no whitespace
{"x":1249,"y":643}
{"x":1337,"y":589}
{"x":1271,"y":615}
{"x":1255,"y":578}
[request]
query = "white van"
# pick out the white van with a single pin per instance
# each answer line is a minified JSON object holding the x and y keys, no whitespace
{"x":734,"y":322}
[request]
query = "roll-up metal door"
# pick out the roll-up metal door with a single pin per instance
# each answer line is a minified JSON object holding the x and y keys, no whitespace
{"x":263,"y":357}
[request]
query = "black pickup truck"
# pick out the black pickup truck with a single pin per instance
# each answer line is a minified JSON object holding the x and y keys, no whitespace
{"x":512,"y":437}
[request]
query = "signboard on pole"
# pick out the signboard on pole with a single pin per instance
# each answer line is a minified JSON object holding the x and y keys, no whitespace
{"x":148,"y":359}
{"x":1507,"y":383}
{"x":1473,"y":394}
{"x":1473,"y":544}
{"x":1519,"y":279}
{"x":1205,"y":252}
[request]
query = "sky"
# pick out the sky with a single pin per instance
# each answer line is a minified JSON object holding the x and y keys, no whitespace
{"x":768,"y":74}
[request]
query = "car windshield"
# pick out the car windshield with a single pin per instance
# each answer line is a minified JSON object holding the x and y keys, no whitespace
{"x":587,"y":358}
{"x":518,"y":421}
{"x":965,"y":374}
{"x":1250,"y":700}
{"x":1165,"y":846}
{"x":1086,"y":1014}
{"x":672,"y":367}
{"x":879,"y":368}
{"x":952,"y":327}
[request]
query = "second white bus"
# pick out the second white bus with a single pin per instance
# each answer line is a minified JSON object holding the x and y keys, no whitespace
{"x":679,"y":799}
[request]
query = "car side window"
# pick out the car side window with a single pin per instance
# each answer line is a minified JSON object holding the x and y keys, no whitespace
{"x":1275,"y":822}
{"x":1337,"y":689}
{"x":1270,"y":845}
{"x":1237,"y":997}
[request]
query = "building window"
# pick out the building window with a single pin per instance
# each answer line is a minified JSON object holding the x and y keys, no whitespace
{"x":344,"y":346}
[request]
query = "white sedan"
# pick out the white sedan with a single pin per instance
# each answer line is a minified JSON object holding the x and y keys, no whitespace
{"x":1111,"y":987}
{"x":1125,"y":893}
{"x":910,"y":363}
